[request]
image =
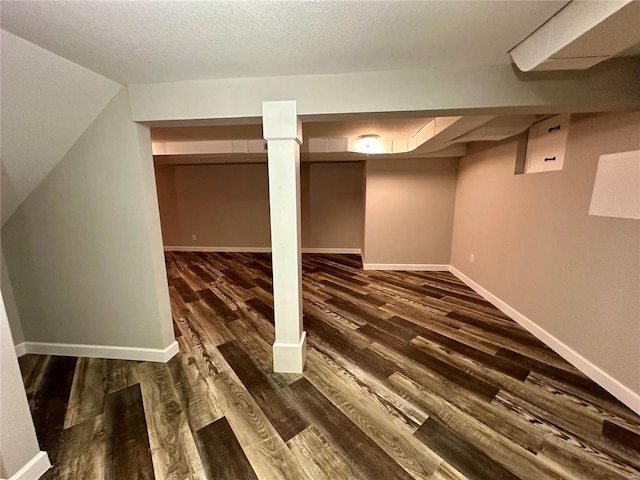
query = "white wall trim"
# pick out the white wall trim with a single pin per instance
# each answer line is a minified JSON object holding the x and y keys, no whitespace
{"x":602,"y":378}
{"x":332,"y":250}
{"x":34,"y":468}
{"x":217,"y":249}
{"x":417,"y":267}
{"x":102,"y":351}
{"x":21,"y":349}
{"x":328,"y":250}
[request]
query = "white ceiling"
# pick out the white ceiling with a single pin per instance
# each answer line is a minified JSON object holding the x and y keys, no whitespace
{"x":147,"y":41}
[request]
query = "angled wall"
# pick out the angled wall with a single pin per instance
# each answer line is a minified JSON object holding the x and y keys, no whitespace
{"x":538,"y":250}
{"x":84,"y":251}
{"x":47,"y":103}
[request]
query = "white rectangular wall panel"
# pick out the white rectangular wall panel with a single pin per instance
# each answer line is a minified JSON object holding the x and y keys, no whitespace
{"x":547,"y":143}
{"x":616,"y":191}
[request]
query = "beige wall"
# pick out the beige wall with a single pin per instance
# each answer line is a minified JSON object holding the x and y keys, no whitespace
{"x":537,"y":249}
{"x":228,"y":205}
{"x":223,"y":205}
{"x":332,"y":199}
{"x":168,"y":204}
{"x":18,"y":443}
{"x":84,"y":251}
{"x":409,"y":210}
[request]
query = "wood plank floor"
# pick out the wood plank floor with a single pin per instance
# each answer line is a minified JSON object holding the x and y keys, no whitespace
{"x":408,"y":375}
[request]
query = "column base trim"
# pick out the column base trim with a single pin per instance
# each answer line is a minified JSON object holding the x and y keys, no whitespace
{"x":290,"y":357}
{"x":100,"y":351}
{"x":34,"y":468}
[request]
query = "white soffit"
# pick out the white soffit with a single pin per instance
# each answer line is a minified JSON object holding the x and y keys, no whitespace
{"x":337,"y":140}
{"x":581,"y":35}
{"x":143,"y":42}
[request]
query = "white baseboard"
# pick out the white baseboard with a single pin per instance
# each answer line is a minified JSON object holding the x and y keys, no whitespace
{"x":21,"y":349}
{"x":333,"y":251}
{"x":102,"y":351}
{"x":217,"y":249}
{"x":416,"y":267}
{"x":34,"y":468}
{"x":595,"y":373}
{"x":328,"y":250}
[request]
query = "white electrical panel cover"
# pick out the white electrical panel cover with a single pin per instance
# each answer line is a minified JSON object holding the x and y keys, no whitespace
{"x":547,"y":143}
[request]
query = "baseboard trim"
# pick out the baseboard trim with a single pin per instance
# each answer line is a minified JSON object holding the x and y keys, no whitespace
{"x":416,"y":267}
{"x":21,"y":349}
{"x":333,"y":251}
{"x":102,"y":351}
{"x":218,"y":249}
{"x":327,"y":250}
{"x":34,"y":468}
{"x":602,"y":378}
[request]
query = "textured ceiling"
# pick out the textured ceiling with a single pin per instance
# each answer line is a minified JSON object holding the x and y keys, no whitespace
{"x":139,"y":41}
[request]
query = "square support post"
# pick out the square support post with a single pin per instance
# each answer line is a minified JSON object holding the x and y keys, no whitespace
{"x":283,"y":132}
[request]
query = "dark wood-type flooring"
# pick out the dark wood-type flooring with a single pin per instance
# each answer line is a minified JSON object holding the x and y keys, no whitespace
{"x":408,"y":375}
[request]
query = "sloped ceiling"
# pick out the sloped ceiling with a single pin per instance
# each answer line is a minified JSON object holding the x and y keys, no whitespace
{"x":47,"y":103}
{"x":141,"y":41}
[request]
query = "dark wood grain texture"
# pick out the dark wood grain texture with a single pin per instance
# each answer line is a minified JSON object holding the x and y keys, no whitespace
{"x":221,"y":454}
{"x":462,"y":455}
{"x":50,"y":404}
{"x":128,"y":454}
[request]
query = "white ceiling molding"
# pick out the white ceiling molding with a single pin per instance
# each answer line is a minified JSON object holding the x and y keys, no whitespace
{"x":432,"y":132}
{"x":454,"y":151}
{"x":581,"y":35}
{"x":440,"y":137}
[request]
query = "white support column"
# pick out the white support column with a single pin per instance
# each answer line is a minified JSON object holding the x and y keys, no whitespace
{"x":283,"y":132}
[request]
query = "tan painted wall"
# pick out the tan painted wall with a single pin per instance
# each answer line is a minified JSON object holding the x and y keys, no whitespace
{"x":168,"y":204}
{"x":228,"y":205}
{"x":18,"y":443}
{"x":223,"y":205}
{"x":537,"y":249}
{"x":332,"y":198}
{"x":409,"y":210}
{"x":84,"y":251}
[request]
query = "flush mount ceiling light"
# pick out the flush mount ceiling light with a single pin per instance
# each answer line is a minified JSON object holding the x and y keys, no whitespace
{"x":369,"y":143}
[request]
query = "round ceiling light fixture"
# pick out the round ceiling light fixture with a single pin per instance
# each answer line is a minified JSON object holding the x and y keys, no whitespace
{"x":369,"y":143}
